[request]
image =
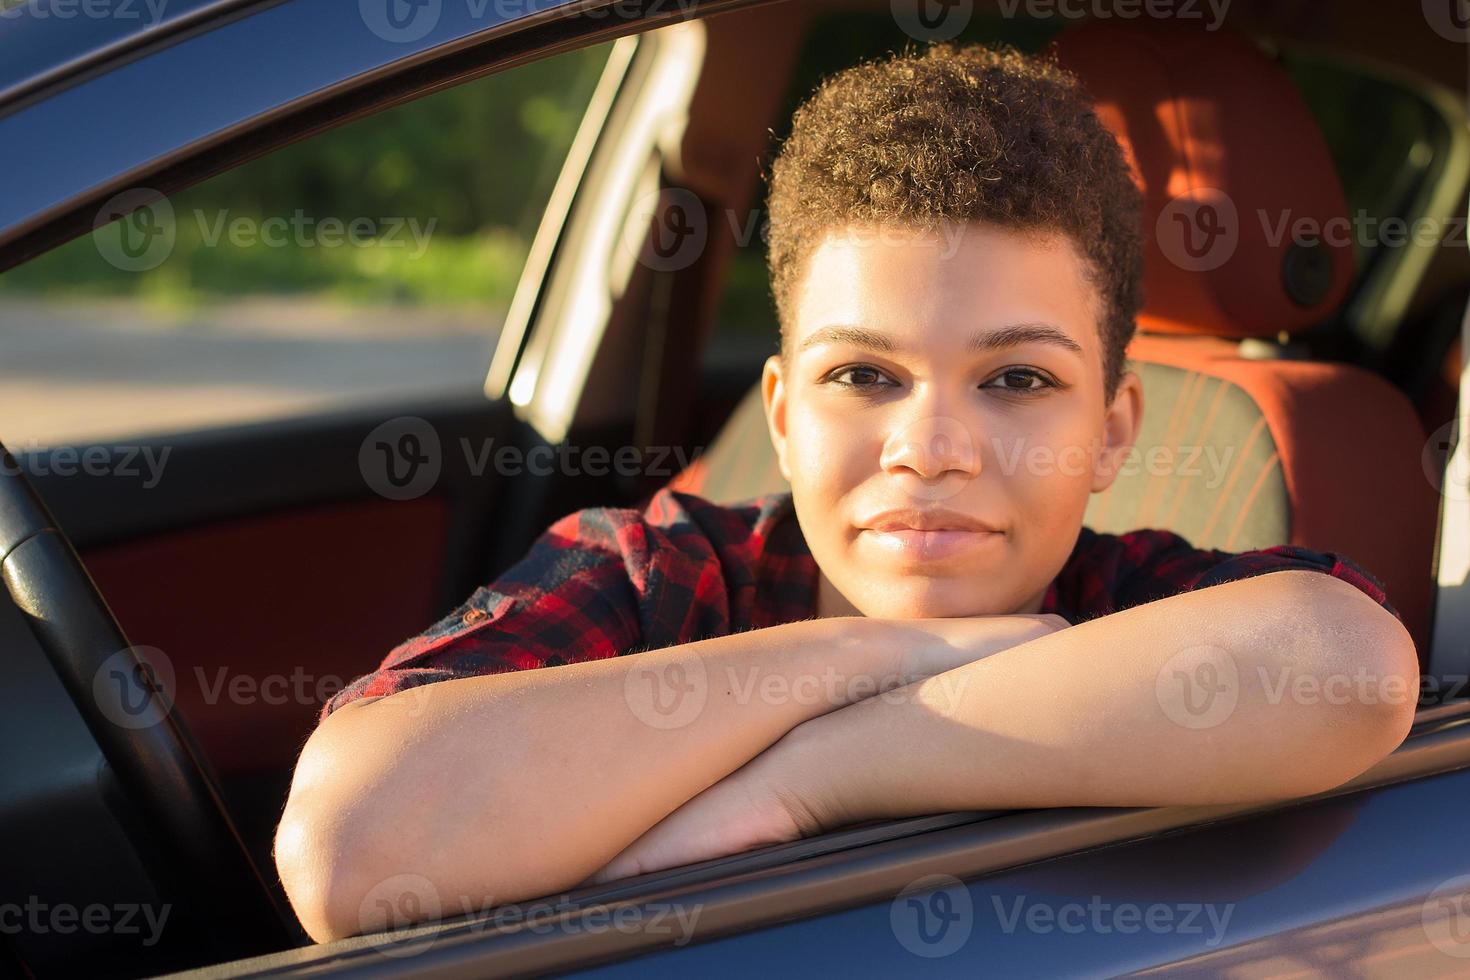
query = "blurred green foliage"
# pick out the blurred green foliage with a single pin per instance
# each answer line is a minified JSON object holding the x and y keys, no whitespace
{"x":473,"y":164}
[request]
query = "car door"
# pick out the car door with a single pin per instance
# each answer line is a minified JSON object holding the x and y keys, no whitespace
{"x":1356,"y":882}
{"x":259,"y":407}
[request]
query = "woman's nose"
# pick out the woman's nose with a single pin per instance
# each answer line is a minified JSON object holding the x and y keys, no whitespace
{"x":931,"y":448}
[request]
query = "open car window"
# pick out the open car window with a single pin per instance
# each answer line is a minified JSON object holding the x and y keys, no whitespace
{"x":372,"y":262}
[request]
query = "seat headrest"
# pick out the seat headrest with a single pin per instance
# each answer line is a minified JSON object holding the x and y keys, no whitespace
{"x":1245,"y":223}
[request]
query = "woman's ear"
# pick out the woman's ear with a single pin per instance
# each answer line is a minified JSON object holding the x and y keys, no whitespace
{"x":1120,"y":431}
{"x":773,"y":396}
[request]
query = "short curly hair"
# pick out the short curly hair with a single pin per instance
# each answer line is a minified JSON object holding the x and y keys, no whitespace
{"x":960,"y":133}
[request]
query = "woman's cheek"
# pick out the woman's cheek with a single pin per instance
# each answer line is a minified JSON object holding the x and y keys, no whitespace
{"x":827,"y":449}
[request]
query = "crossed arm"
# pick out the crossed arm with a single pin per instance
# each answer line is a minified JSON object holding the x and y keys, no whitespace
{"x":1274,"y":687}
{"x":1204,"y":697}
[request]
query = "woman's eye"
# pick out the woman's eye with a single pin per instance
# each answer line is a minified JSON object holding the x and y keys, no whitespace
{"x":1020,"y":380}
{"x":860,"y":377}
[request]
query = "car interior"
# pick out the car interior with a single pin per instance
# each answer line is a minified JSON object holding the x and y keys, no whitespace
{"x":1325,"y":376}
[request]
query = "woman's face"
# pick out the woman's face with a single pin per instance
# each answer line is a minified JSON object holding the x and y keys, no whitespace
{"x":941,"y":419}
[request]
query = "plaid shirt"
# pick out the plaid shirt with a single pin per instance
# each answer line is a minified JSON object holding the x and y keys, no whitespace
{"x":604,"y":582}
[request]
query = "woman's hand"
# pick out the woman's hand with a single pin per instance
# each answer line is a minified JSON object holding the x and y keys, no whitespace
{"x":759,"y":804}
{"x":957,"y":641}
{"x":747,"y":809}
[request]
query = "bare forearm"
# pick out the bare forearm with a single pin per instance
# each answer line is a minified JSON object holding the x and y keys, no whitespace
{"x":510,"y":786}
{"x":1194,"y":699}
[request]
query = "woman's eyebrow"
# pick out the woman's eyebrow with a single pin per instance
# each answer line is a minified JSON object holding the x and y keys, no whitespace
{"x":1022,"y":333}
{"x":852,"y":337}
{"x":982,"y":341}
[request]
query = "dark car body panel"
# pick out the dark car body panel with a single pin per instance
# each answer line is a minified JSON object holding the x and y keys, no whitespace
{"x":1286,"y":887}
{"x":115,"y":125}
{"x":38,"y":45}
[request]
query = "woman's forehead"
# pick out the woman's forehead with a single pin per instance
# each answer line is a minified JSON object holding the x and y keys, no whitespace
{"x":900,"y":291}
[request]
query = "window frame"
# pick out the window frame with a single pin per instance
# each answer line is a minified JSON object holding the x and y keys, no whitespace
{"x":87,"y":118}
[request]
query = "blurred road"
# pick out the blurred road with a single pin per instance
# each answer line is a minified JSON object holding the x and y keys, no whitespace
{"x":110,"y":370}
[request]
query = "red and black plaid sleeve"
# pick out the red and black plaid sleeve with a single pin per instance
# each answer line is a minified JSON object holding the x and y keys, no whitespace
{"x":603,"y":582}
{"x":1110,"y":572}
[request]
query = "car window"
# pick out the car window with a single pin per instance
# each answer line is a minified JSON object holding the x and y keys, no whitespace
{"x":369,"y":263}
{"x":1403,"y":177}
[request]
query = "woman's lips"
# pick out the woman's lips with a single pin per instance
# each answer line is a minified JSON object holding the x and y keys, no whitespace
{"x":915,"y":545}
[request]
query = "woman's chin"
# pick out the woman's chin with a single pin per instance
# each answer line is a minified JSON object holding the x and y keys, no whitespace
{"x":933,"y":604}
